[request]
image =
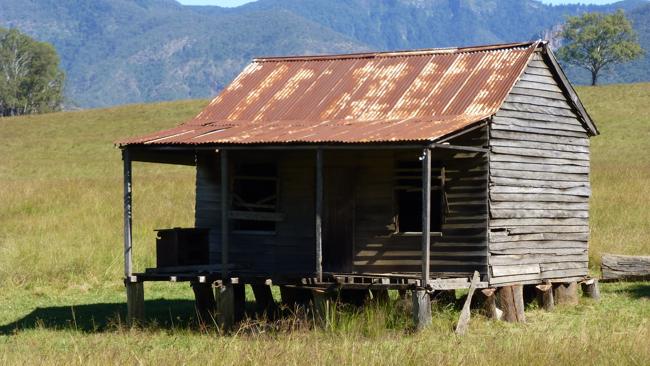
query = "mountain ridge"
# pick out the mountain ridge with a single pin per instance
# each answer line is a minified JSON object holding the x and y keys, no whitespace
{"x":120,"y":51}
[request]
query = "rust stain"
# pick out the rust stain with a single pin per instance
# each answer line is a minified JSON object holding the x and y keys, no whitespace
{"x":374,"y":97}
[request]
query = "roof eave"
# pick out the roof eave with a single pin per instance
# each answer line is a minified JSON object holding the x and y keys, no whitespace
{"x":575,"y":101}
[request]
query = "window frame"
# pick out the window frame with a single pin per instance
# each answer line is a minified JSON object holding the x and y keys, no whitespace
{"x":416,"y":175}
{"x":244,"y":211}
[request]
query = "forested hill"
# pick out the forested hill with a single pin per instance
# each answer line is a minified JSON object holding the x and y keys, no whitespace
{"x":128,"y":51}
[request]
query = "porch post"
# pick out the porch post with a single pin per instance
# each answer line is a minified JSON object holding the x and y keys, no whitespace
{"x":426,"y":214}
{"x":128,"y":239}
{"x":134,"y":289}
{"x":224,"y":213}
{"x":319,"y":214}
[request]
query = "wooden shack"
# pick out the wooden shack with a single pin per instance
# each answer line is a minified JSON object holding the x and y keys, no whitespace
{"x":400,"y":170}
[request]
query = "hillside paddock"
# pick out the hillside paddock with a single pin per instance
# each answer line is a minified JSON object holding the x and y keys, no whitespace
{"x":61,"y":260}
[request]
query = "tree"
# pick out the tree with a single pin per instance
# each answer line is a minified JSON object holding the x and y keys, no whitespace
{"x":596,"y":41}
{"x":30,"y":78}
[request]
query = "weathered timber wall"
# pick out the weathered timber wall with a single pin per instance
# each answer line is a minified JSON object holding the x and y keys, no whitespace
{"x":539,"y":184}
{"x":291,"y":248}
{"x":359,"y":218}
{"x":463,"y":245}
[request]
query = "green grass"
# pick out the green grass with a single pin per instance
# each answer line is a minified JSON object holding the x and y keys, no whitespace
{"x":61,"y":259}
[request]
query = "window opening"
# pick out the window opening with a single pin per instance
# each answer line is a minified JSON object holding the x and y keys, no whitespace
{"x":408,"y":196}
{"x":254,"y":206}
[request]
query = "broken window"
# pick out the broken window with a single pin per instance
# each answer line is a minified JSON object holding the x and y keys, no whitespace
{"x":408,"y":196}
{"x":254,"y":205}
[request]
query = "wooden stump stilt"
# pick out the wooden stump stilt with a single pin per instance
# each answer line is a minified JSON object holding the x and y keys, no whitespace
{"x":225,"y":298}
{"x":565,"y":293}
{"x":380,"y":296}
{"x":239,"y":299}
{"x":323,"y":307}
{"x":204,"y":303}
{"x":590,"y":289}
{"x":134,"y":303}
{"x":545,"y":296}
{"x":421,"y":309}
{"x":264,"y":300}
{"x":292,"y":296}
{"x":402,"y":294}
{"x":352,"y":296}
{"x":510,"y":300}
{"x":489,"y":301}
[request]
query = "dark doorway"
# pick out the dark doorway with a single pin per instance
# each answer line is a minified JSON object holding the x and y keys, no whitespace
{"x":338,"y":229}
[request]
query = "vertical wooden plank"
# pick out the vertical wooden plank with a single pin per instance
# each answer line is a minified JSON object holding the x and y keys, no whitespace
{"x":224,"y":212}
{"x":463,"y":320}
{"x":426,"y":214}
{"x":319,"y":214}
{"x":128,"y":238}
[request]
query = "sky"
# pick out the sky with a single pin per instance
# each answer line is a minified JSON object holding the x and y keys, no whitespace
{"x":233,"y":3}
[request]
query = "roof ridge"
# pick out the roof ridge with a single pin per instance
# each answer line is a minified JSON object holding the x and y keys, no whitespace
{"x":399,"y":53}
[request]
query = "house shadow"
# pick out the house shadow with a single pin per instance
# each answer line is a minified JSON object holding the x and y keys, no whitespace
{"x":99,"y":317}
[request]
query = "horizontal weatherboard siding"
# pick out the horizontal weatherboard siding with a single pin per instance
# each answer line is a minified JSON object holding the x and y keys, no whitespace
{"x":539,"y":184}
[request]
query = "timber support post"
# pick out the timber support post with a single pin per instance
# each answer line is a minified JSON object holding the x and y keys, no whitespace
{"x":239,"y":302}
{"x":264,"y":300}
{"x":323,"y":307}
{"x":426,"y":214}
{"x":565,"y":293}
{"x":225,"y":301}
{"x":421,"y":308}
{"x":490,"y":309}
{"x":225,"y":207}
{"x":590,"y":289}
{"x":545,"y":296}
{"x":293,"y":297}
{"x":134,"y":289}
{"x":134,"y":303}
{"x":319,"y":214}
{"x":511,"y":301}
{"x":204,"y":303}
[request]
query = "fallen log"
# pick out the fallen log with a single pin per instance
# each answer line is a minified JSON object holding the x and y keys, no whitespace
{"x":625,"y":267}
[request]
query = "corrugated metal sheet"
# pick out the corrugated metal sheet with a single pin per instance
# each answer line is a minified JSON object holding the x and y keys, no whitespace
{"x":379,"y":97}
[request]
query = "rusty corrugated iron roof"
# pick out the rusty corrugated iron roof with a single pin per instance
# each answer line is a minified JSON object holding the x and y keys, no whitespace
{"x":359,"y":98}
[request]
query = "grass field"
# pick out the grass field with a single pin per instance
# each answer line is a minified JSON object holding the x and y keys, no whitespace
{"x":61,"y":259}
